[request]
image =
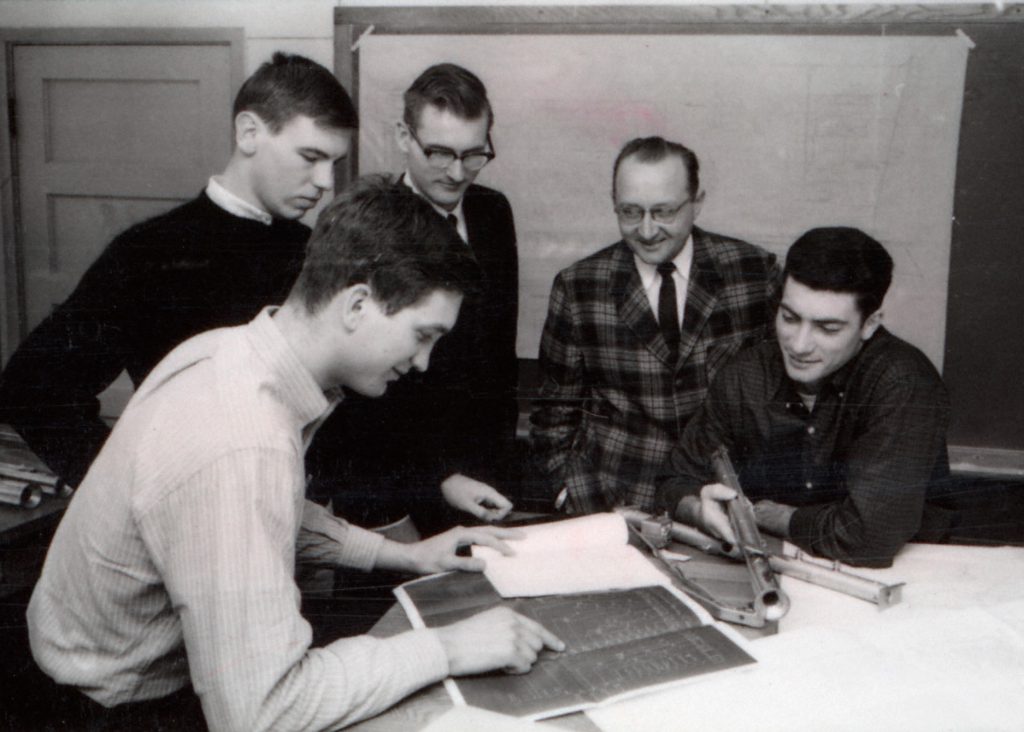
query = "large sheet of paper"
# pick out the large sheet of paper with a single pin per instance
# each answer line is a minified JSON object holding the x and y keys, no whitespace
{"x":582,"y":554}
{"x":792,"y":132}
{"x":950,"y":656}
{"x":619,"y":644}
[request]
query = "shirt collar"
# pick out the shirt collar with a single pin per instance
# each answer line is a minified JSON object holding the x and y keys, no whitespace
{"x":837,"y":382}
{"x":683,"y":261}
{"x":841,"y":378}
{"x":235,"y":205}
{"x":457,"y":211}
{"x":294,"y":384}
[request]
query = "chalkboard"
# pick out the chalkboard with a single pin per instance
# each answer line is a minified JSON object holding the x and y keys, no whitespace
{"x":968,"y":333}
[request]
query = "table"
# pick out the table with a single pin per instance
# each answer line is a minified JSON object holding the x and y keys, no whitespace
{"x":949,"y":656}
{"x":24,"y":532}
{"x":24,"y":536}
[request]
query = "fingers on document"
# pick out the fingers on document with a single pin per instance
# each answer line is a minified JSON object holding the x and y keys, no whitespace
{"x":530,"y":637}
{"x":499,"y":638}
{"x":492,"y":537}
{"x":467,"y":564}
{"x":544,"y":636}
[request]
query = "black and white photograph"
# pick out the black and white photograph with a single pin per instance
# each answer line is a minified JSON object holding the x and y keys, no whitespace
{"x":511,"y":364}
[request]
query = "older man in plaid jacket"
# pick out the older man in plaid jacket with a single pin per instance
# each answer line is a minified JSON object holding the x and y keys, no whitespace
{"x":635,"y":333}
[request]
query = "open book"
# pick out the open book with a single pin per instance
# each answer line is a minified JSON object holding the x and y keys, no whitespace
{"x":575,"y":555}
{"x":619,"y":643}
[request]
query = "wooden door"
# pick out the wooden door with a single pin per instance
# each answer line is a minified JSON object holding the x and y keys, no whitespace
{"x":109,"y":135}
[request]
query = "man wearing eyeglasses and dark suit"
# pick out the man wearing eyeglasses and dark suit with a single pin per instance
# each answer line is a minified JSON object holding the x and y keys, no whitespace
{"x":453,"y":426}
{"x":635,"y":333}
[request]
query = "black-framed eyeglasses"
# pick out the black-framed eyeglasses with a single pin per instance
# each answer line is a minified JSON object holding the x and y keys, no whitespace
{"x":632,"y":214}
{"x":441,"y":157}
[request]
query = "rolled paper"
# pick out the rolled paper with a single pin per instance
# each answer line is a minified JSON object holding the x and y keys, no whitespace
{"x":20,"y":493}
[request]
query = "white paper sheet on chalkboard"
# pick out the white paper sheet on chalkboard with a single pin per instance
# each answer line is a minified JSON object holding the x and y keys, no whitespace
{"x":792,"y":132}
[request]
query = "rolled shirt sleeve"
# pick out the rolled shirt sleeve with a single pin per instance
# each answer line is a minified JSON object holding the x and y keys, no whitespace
{"x":325,"y":539}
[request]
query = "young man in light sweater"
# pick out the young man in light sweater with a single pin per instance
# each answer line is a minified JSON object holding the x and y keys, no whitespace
{"x":173,"y":568}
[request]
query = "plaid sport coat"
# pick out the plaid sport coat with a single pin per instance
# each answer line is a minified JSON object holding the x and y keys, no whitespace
{"x":611,"y":404}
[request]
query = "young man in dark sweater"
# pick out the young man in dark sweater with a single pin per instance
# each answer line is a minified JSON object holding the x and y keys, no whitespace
{"x":443,"y":439}
{"x":214,"y":261}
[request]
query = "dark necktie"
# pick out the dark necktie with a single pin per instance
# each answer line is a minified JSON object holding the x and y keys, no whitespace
{"x":668,"y":311}
{"x":453,"y":220}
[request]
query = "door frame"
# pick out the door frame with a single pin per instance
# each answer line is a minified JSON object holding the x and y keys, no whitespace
{"x":13,"y":322}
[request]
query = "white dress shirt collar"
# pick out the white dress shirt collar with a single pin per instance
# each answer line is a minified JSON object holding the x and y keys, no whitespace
{"x":235,"y":205}
{"x":457,"y":211}
{"x":651,"y":280}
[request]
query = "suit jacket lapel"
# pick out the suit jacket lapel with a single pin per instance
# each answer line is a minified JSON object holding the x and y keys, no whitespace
{"x":469,"y":209}
{"x":469,"y":212}
{"x":473,"y":212}
{"x":701,"y":295}
{"x":633,"y":306}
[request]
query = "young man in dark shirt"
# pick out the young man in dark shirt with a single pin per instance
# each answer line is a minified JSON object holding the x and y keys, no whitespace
{"x":837,"y":430}
{"x":214,"y":261}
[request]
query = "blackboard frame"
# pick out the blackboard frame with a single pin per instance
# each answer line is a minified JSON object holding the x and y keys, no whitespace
{"x":982,"y":348}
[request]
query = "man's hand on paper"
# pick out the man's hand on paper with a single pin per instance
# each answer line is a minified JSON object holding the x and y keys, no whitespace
{"x":438,"y":553}
{"x":708,"y":512}
{"x":475,"y":498}
{"x":498,"y":638}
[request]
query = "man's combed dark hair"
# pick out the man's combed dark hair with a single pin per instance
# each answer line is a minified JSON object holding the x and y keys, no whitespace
{"x":654,"y":150}
{"x":288,"y":86}
{"x":380,"y":233}
{"x":450,"y":88}
{"x":842,"y":259}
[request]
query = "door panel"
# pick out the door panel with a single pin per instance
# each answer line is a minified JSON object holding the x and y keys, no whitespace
{"x":109,"y":135}
{"x":82,"y":131}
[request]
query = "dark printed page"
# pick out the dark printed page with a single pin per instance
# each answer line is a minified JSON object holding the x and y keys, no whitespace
{"x":616,"y":643}
{"x":610,"y":673}
{"x":601,"y":619}
{"x":445,"y":598}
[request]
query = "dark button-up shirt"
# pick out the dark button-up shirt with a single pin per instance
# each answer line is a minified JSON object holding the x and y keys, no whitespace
{"x":858,"y":466}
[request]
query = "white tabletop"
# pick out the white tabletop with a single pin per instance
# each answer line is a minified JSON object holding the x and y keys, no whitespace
{"x":950,"y":656}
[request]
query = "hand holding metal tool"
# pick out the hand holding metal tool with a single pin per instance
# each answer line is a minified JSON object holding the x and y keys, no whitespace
{"x":770,"y":602}
{"x":748,"y":607}
{"x":751,"y":543}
